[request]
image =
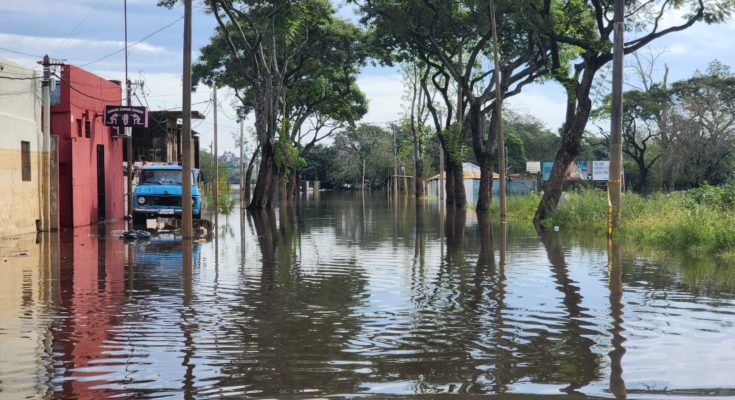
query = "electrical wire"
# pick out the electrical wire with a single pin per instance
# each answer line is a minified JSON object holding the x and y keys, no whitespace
{"x":80,"y":25}
{"x":20,"y":52}
{"x":85,"y":94}
{"x":18,"y":78}
{"x":134,"y":44}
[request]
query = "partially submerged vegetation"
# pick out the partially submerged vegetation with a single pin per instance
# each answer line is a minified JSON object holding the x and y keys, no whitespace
{"x":698,"y":221}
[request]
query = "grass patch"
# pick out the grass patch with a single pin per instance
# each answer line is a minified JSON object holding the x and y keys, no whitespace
{"x":698,"y":221}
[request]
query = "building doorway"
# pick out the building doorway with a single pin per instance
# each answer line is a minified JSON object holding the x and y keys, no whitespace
{"x":101,"y":182}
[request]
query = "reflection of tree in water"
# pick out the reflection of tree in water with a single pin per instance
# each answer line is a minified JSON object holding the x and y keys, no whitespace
{"x":292,"y":328}
{"x":566,"y":356}
{"x":363,"y":227}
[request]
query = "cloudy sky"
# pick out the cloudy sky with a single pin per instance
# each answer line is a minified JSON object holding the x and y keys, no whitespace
{"x":89,"y":33}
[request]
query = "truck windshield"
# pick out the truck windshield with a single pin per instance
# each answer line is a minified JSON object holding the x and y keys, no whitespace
{"x":161,"y":177}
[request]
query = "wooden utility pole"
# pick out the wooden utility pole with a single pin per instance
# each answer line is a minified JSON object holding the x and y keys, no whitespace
{"x":616,"y":131}
{"x":215,"y":194}
{"x":128,"y":131}
{"x":242,"y":168}
{"x":395,"y":166}
{"x":46,"y":157}
{"x":186,"y":153}
{"x":460,"y":115}
{"x":498,"y":118}
{"x":49,"y":168}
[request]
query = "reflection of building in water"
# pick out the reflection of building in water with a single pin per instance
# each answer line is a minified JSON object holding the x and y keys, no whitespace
{"x":26,"y":296}
{"x":92,"y":294}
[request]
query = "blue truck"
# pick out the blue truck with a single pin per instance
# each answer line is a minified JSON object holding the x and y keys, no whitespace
{"x":158,"y":193}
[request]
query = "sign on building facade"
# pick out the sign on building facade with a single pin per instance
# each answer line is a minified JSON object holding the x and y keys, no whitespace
{"x":126,"y":116}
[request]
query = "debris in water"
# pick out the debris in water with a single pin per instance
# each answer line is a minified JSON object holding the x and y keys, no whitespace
{"x":136,"y":235}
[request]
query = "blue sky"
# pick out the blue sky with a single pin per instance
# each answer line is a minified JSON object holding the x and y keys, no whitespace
{"x":82,"y":31}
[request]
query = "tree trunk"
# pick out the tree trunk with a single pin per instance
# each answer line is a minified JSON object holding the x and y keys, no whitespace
{"x":460,"y":198}
{"x":249,"y":173}
{"x":419,"y":178}
{"x":282,"y":189}
{"x":578,"y":113}
{"x":296,"y":187}
{"x":640,"y":185}
{"x":483,"y":154}
{"x":448,"y":178}
{"x":485,"y":197}
{"x":265,"y":186}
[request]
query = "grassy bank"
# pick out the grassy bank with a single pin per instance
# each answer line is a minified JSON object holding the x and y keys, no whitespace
{"x":699,"y":220}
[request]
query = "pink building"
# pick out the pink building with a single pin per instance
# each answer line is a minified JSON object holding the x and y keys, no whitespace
{"x":91,"y":180}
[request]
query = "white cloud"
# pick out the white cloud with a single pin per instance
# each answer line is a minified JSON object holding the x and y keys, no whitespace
{"x":39,"y":44}
{"x":384,"y":94}
{"x":545,"y":103}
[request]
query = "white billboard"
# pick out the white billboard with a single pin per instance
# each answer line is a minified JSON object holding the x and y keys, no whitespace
{"x":600,"y":170}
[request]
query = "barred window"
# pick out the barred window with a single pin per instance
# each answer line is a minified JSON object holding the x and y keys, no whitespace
{"x":87,"y":128}
{"x":25,"y":160}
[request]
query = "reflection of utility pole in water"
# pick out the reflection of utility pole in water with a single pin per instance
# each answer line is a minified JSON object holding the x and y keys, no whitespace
{"x":243,"y":223}
{"x":187,"y":316}
{"x":615,"y":283}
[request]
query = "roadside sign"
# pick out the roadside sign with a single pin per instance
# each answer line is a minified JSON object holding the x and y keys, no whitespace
{"x":600,"y":170}
{"x":127,"y":116}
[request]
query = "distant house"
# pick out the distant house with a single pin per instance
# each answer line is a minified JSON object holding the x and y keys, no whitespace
{"x":471,"y":181}
{"x":89,"y":156}
{"x":161,"y":141}
{"x":21,"y":142}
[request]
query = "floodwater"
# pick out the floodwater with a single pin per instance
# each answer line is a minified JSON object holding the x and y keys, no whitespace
{"x":350,"y":297}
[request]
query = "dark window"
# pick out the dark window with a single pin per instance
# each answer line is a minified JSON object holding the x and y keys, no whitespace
{"x":25,"y":160}
{"x":79,"y":127}
{"x":87,"y":128}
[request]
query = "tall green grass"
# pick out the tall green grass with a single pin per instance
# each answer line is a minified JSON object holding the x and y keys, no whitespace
{"x":700,"y":220}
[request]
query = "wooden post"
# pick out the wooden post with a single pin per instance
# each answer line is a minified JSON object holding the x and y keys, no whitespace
{"x":215,"y":195}
{"x":242,"y":167}
{"x":616,"y":130}
{"x":498,"y":118}
{"x":186,"y":199}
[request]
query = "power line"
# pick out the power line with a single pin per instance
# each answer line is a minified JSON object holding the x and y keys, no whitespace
{"x":18,"y":78}
{"x":78,"y":28}
{"x":134,"y":44}
{"x":20,"y":52}
{"x":85,"y":94}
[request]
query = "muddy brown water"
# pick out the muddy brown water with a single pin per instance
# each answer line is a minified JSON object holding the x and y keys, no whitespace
{"x":350,"y":297}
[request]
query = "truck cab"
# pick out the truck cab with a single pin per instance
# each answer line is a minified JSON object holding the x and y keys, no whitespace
{"x":158,"y":193}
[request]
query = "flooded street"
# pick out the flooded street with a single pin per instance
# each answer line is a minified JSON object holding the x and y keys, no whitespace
{"x":344,"y":297}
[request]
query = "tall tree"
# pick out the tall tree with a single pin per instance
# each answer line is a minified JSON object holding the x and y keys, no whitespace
{"x":702,"y":113}
{"x":287,"y":61}
{"x":586,"y":26}
{"x":453,"y":39}
{"x":367,"y":145}
{"x":418,"y":113}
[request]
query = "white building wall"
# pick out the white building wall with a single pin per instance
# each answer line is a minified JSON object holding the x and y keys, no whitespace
{"x":20,"y":120}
